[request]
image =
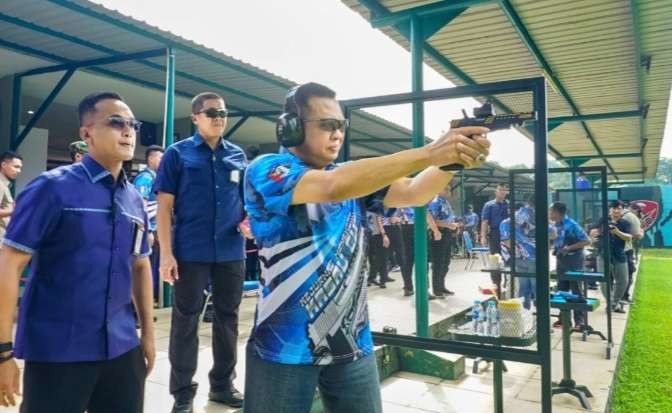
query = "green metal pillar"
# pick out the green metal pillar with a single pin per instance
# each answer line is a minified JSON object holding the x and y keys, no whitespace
{"x":168,"y":134}
{"x":169,"y":114}
{"x":462,"y":206}
{"x":541,"y":236}
{"x":16,"y":110}
{"x":420,"y":230}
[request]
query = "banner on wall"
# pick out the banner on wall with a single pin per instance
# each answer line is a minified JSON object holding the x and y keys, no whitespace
{"x":656,"y":204}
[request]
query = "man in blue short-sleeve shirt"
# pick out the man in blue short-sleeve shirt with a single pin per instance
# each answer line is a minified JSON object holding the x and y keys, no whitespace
{"x":441,"y":247}
{"x":85,"y":230}
{"x":308,"y":216}
{"x":568,"y":247}
{"x":200,"y":211}
{"x":144,"y":183}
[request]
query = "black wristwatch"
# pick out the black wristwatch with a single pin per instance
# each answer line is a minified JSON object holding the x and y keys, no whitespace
{"x":5,"y":347}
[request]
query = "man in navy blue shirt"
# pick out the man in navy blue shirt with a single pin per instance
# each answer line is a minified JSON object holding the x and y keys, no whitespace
{"x":494,"y":212}
{"x":85,"y":229}
{"x":568,"y":248}
{"x":200,"y":199}
{"x":308,"y":216}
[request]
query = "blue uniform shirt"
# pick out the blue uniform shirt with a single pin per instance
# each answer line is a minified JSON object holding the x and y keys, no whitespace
{"x":441,"y":210}
{"x":569,"y":232}
{"x":495,"y":212}
{"x":470,"y":219}
{"x":207,"y":186}
{"x":312,"y":308}
{"x":84,"y":231}
{"x":144,"y":183}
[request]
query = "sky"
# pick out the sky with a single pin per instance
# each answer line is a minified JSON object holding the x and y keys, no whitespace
{"x":326,"y":42}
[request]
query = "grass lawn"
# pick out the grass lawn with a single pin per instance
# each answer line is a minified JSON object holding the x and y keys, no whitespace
{"x":644,"y":379}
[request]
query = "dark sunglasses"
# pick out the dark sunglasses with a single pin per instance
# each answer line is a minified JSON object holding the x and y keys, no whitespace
{"x":214,"y":113}
{"x":119,"y":123}
{"x":331,"y":125}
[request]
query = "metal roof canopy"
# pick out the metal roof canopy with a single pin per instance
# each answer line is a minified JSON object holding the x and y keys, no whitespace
{"x":58,"y":36}
{"x":608,"y":62}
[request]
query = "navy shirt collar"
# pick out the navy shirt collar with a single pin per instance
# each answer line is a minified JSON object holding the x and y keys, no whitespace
{"x":96,"y":171}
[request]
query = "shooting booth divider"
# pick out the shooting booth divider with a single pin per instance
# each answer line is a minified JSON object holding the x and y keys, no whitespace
{"x":594,"y":209}
{"x":529,"y":93}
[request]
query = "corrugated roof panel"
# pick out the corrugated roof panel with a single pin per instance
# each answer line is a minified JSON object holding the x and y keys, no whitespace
{"x":589,"y":45}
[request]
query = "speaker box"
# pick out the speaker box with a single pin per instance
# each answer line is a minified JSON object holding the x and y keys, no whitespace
{"x":148,"y":135}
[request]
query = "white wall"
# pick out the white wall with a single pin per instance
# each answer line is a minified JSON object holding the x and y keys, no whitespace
{"x":34,"y":152}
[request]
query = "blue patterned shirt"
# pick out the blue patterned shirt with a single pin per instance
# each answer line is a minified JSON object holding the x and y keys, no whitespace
{"x":441,"y":210}
{"x":312,"y":308}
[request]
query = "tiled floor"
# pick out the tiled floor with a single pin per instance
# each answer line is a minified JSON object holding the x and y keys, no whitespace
{"x":408,"y":392}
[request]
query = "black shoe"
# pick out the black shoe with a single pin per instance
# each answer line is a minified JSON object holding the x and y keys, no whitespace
{"x":232,"y":398}
{"x":440,"y":296}
{"x":382,"y":285}
{"x":408,"y":293}
{"x":183,"y":405}
{"x":619,"y":309}
{"x":448,"y":292}
{"x":370,"y":282}
{"x":431,"y":296}
{"x":389,"y":280}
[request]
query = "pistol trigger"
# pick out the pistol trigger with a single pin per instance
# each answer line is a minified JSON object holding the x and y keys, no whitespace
{"x":464,"y":112}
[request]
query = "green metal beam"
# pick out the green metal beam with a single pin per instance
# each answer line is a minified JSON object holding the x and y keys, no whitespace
{"x":608,"y":156}
{"x":16,"y":141}
{"x":16,"y":109}
{"x":235,"y":127}
{"x":420,"y":227}
{"x":546,"y":68}
{"x":634,"y":5}
{"x":440,"y":7}
{"x":95,"y":62}
{"x":639,"y":181}
{"x":641,"y":172}
{"x":169,"y":114}
{"x":378,"y":10}
{"x":595,"y":116}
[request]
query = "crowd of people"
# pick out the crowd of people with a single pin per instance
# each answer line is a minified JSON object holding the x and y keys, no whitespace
{"x":98,"y":243}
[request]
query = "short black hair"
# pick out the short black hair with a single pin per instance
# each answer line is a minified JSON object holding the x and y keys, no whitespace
{"x":10,"y":155}
{"x":198,"y":100}
{"x":519,"y":205}
{"x":617,"y":204}
{"x":299,"y":104}
{"x":151,"y":149}
{"x":252,"y":152}
{"x":559,"y":207}
{"x":504,"y":184}
{"x":88,"y":104}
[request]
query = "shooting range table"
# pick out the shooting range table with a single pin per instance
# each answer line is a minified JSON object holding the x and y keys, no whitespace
{"x":567,"y":384}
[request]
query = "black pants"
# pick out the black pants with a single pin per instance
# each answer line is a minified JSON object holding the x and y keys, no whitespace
{"x":441,"y":252}
{"x":571,"y":263}
{"x":113,"y":386}
{"x":227,"y":287}
{"x":377,"y":258}
{"x":407,"y":256}
{"x":396,"y":249}
{"x":631,"y":270}
{"x":252,"y":266}
{"x":494,"y":243}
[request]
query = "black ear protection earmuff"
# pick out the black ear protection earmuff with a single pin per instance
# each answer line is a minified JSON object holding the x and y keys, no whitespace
{"x":289,"y":126}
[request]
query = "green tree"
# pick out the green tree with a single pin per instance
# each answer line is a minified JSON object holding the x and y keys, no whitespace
{"x":663,"y":173}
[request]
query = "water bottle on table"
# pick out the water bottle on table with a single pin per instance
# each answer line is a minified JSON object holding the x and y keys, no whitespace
{"x":475,"y":315}
{"x":493,"y":319}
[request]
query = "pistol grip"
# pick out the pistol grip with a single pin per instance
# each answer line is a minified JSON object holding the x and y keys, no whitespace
{"x":452,"y":167}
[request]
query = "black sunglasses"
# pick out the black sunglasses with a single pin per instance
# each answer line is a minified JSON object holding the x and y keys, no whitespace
{"x":119,"y":123}
{"x":331,"y":125}
{"x":214,"y":113}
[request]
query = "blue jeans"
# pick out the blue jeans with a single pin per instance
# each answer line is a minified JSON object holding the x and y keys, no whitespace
{"x":527,"y":290}
{"x":290,"y":388}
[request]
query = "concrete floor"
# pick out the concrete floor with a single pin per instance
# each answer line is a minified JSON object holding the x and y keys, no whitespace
{"x":408,"y":392}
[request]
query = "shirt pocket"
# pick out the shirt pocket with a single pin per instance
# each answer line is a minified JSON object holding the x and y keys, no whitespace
{"x":196,"y":174}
